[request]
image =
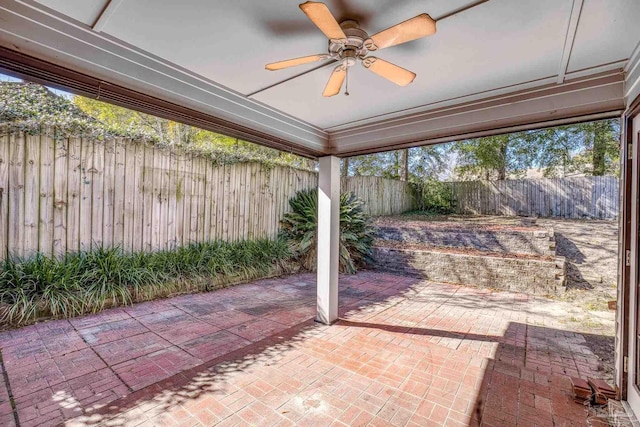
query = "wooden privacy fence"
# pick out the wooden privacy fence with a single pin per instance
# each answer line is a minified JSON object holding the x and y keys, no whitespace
{"x":594,"y":197}
{"x":70,"y":194}
{"x":382,"y":196}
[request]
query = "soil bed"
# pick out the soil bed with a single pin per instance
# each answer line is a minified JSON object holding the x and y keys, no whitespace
{"x":446,"y":223}
{"x":463,"y":251}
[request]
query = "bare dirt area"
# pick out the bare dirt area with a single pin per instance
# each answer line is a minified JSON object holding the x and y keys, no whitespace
{"x":452,"y":221}
{"x":465,"y":251}
{"x":590,"y":248}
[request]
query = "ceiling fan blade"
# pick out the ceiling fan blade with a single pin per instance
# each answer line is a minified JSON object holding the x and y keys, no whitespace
{"x":335,"y":81}
{"x":293,"y":62}
{"x":389,"y":71}
{"x":417,"y":27}
{"x":320,"y":15}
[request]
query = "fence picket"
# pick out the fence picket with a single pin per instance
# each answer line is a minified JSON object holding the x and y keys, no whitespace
{"x":46,"y":202}
{"x":108,"y":192}
{"x":31,"y":194}
{"x":119,"y":186}
{"x":4,"y":193}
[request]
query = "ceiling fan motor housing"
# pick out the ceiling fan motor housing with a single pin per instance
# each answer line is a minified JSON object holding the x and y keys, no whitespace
{"x":352,"y":48}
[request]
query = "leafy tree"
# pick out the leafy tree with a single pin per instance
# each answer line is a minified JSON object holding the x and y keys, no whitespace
{"x":590,"y":148}
{"x":166,"y":131}
{"x":602,"y":139}
{"x":412,"y":164}
{"x":370,"y":165}
{"x":494,"y":157}
{"x":557,"y":148}
{"x":173,"y":133}
{"x":31,"y":104}
{"x":428,"y":162}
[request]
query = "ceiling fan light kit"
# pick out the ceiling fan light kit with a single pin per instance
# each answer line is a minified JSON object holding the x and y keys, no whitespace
{"x":350,"y":44}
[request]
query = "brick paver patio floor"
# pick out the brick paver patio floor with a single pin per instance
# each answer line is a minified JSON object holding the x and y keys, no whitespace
{"x":405,"y":352}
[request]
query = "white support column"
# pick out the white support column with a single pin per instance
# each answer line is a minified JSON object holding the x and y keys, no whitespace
{"x":328,"y":238}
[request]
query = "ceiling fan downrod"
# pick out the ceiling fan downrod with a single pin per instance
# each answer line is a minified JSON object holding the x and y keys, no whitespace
{"x":346,"y":86}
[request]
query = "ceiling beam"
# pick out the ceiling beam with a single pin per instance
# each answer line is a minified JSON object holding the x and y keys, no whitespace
{"x":594,"y":96}
{"x":106,"y":14}
{"x":570,"y":37}
{"x":460,"y":10}
{"x":295,"y":76}
{"x":634,"y":59}
{"x":632,"y":76}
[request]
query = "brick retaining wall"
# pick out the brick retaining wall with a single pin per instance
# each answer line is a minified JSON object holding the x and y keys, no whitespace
{"x":533,"y":276}
{"x":531,"y":242}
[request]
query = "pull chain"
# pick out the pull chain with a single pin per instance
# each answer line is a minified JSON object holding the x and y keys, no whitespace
{"x":346,"y":87}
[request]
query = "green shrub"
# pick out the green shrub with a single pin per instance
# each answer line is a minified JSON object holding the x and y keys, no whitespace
{"x":435,"y":197}
{"x":85,"y":282}
{"x":300,"y":226}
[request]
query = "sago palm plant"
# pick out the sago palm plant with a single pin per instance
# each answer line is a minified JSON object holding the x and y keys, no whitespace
{"x":300,"y":228}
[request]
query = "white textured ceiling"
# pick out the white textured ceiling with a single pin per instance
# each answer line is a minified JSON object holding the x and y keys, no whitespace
{"x":85,"y":11}
{"x":608,"y":32}
{"x":493,"y":47}
{"x":449,"y":64}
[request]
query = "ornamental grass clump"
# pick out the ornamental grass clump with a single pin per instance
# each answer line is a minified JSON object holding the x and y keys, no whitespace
{"x":85,"y":282}
{"x":300,"y":228}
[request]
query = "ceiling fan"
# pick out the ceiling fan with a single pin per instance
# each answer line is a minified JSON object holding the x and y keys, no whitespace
{"x":350,"y":44}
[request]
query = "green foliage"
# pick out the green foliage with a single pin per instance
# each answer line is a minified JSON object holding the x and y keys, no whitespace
{"x":85,"y":282}
{"x":494,"y":157}
{"x":300,"y":229}
{"x":220,"y":148}
{"x":590,"y":148}
{"x":27,"y":106}
{"x":32,"y":108}
{"x":435,"y":197}
{"x":422,"y":163}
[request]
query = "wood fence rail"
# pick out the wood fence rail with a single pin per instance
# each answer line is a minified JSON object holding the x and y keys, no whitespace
{"x":62,"y":195}
{"x":594,"y":197}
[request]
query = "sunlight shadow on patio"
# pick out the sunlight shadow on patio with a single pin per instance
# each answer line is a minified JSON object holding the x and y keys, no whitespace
{"x":380,"y":362}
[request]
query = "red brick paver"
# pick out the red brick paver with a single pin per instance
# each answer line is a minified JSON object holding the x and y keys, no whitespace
{"x":405,"y":352}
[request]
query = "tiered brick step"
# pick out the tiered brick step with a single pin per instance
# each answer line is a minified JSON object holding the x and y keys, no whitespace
{"x":529,"y":274}
{"x":519,"y":258}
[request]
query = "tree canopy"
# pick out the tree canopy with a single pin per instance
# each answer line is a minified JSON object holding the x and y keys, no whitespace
{"x":420,"y":162}
{"x":178,"y":134}
{"x":590,"y":148}
{"x":30,"y":106}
